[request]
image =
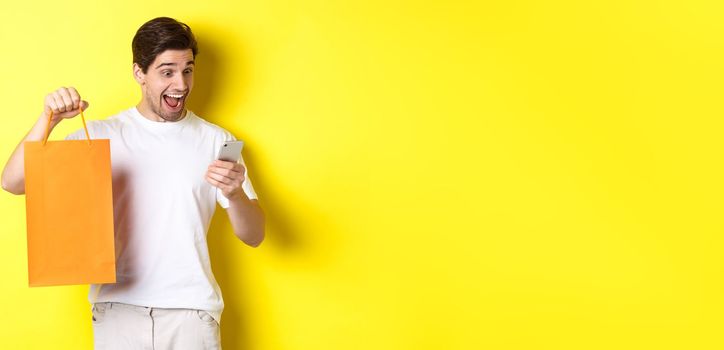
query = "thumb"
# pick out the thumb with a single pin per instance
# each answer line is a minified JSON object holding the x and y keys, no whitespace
{"x":84,"y":105}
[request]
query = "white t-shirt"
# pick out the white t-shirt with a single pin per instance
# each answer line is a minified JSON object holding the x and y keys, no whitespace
{"x":162,"y":207}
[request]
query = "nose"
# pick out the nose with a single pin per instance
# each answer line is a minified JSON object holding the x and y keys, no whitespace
{"x":181,"y":82}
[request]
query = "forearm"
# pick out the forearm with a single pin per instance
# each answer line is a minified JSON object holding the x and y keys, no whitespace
{"x":247,"y":219}
{"x":13,"y":177}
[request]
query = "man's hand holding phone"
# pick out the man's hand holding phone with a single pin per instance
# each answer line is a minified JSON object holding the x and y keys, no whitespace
{"x":226,"y":173}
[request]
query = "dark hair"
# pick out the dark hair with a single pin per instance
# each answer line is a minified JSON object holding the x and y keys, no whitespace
{"x":158,"y":35}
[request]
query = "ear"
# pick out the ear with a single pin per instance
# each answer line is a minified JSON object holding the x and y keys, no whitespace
{"x":138,"y":74}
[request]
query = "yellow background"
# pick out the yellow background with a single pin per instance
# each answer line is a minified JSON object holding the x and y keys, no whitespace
{"x":436,"y":175}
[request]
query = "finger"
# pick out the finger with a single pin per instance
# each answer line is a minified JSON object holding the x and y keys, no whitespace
{"x":224,"y":164}
{"x":84,"y":105}
{"x":230,"y":173}
{"x":59,"y":104}
{"x":74,"y":97}
{"x":236,"y":167}
{"x":67,"y":100}
{"x":62,"y":106}
{"x":213,"y":182}
{"x":220,"y":178}
{"x":227,"y":180}
{"x":50,"y":104}
{"x":217,"y":184}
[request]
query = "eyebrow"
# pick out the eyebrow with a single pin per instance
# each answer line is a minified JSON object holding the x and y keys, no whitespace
{"x":189,"y":63}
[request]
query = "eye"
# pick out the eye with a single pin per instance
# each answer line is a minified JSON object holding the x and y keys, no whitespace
{"x":188,"y":71}
{"x":166,"y":73}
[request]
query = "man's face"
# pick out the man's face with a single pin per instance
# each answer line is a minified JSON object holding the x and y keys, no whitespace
{"x":167,"y":84}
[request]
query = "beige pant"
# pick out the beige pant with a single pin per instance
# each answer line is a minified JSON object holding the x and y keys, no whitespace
{"x":119,"y":326}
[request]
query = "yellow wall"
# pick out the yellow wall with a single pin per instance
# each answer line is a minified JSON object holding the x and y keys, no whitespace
{"x":437,"y":175}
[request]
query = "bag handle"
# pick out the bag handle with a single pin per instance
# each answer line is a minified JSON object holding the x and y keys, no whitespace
{"x":50,"y":117}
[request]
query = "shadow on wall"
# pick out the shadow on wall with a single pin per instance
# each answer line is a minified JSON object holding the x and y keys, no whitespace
{"x":213,"y":75}
{"x":226,"y":251}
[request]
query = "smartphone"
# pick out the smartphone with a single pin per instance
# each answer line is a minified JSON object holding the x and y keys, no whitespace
{"x":230,"y":151}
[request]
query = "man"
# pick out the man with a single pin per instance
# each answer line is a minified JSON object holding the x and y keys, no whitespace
{"x":166,"y":183}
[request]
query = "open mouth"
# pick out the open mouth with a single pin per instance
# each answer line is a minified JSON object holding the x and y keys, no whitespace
{"x":174,"y":102}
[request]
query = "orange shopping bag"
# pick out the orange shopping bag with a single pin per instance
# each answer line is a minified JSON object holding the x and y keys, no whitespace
{"x":69,"y":208}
